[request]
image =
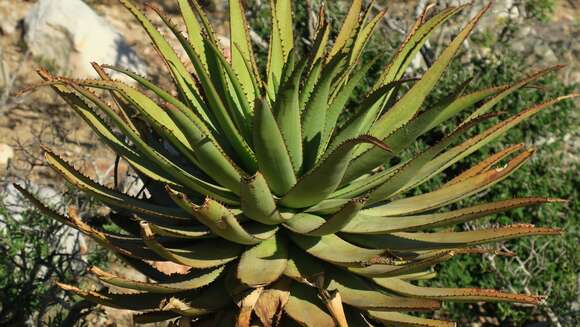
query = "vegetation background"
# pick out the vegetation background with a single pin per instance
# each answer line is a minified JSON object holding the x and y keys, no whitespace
{"x":34,"y":250}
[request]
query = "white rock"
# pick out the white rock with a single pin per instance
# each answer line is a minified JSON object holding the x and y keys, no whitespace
{"x":70,"y":35}
{"x":7,"y":26}
{"x":10,"y":17}
{"x":16,"y":206}
{"x":6,"y":153}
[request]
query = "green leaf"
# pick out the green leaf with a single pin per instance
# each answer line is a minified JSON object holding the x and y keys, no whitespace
{"x":110,"y":196}
{"x":221,"y":221}
{"x":241,"y":49}
{"x":308,"y":224}
{"x":200,"y":254}
{"x":43,"y":208}
{"x":273,"y":157}
{"x":196,"y":231}
{"x":209,"y":300}
{"x":314,"y":114}
{"x":473,"y":144}
{"x":411,"y":102}
{"x":413,"y":43}
{"x":144,"y":105}
{"x":451,"y":193}
{"x":328,"y":207}
{"x":364,"y":116}
{"x":305,"y":307}
{"x":181,"y":76}
{"x":160,"y":160}
{"x":386,"y":268}
{"x":349,"y":27}
{"x":333,"y":249}
{"x":178,"y":283}
{"x":302,"y":267}
{"x":323,"y":179}
{"x":205,"y":126}
{"x":194,"y":30}
{"x":516,"y":86}
{"x":364,"y":35}
{"x":404,"y":136}
{"x":486,"y":164}
{"x":447,"y":240}
{"x":359,"y":293}
{"x":396,"y":182}
{"x":401,"y":138}
{"x":320,"y":43}
{"x":184,"y":134}
{"x":137,"y":302}
{"x":454,"y":294}
{"x":310,"y":83}
{"x":126,"y":245}
{"x":230,"y":122}
{"x":283,"y":13}
{"x":368,"y":224}
{"x":258,"y":202}
{"x":264,"y":263}
{"x":404,"y":320}
{"x":139,"y":162}
{"x":239,"y":103}
{"x":215,"y":64}
{"x":287,"y":112}
{"x":338,"y":103}
{"x":281,"y":41}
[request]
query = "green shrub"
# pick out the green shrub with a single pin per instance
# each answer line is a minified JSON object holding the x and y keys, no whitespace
{"x":554,"y":172}
{"x":32,"y":255}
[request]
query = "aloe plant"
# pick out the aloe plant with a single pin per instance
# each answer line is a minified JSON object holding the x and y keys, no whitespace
{"x":283,"y":215}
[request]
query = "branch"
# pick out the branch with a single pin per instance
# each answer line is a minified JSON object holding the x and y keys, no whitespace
{"x":77,"y":312}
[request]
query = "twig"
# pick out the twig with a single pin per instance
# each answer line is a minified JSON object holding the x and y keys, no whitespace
{"x":391,"y":22}
{"x":426,"y":51}
{"x":258,"y":40}
{"x":77,"y":312}
{"x":6,"y":93}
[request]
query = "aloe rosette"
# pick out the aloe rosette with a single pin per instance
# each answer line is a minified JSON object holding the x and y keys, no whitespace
{"x":287,"y":207}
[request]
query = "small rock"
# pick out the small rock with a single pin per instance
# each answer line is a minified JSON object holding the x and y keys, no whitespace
{"x":546,"y":53}
{"x":6,"y":154}
{"x":225,"y":43}
{"x":15,"y":203}
{"x":7,"y":27}
{"x":10,"y":18}
{"x":68,"y":35}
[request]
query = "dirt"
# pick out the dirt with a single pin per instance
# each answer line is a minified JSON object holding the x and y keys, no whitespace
{"x":40,"y":117}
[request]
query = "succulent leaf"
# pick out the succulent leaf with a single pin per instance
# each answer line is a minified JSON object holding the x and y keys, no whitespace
{"x":308,"y":224}
{"x":192,"y":280}
{"x":257,"y":201}
{"x":271,"y":151}
{"x":241,"y":49}
{"x":280,"y":197}
{"x":264,"y":263}
{"x":405,"y":320}
{"x":323,"y":179}
{"x":457,"y":294}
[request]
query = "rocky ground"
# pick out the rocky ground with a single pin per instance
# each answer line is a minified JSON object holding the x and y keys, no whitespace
{"x":39,"y":118}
